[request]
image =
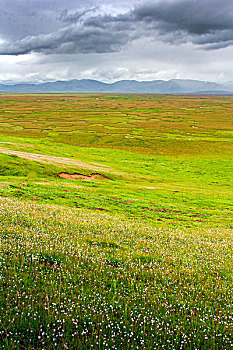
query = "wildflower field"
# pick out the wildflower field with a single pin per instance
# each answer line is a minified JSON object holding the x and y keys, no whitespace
{"x":116,"y":222}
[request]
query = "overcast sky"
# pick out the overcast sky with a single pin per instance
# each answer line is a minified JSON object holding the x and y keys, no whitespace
{"x":43,"y":40}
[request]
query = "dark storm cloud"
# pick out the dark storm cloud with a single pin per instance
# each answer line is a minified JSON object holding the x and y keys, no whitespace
{"x":72,"y":39}
{"x":191,"y":16}
{"x":202,"y":22}
{"x":207,"y":23}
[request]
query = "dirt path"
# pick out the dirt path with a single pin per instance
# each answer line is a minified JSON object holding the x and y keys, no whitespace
{"x":58,"y":160}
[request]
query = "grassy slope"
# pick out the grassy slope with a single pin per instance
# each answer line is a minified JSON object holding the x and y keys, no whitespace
{"x":138,"y":262}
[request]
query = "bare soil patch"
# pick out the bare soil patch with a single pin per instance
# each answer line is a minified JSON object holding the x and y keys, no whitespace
{"x":76,"y":176}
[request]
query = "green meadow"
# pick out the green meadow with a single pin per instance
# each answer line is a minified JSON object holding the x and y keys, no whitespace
{"x":116,"y":218}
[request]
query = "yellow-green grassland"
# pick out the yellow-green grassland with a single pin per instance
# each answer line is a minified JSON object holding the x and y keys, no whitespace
{"x":116,"y":221}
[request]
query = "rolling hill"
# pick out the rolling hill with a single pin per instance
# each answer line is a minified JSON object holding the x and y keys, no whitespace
{"x":174,"y":86}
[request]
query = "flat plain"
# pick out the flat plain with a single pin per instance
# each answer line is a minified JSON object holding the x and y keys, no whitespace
{"x":116,"y":221}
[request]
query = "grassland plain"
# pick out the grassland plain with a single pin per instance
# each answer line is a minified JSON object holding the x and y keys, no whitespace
{"x":138,"y":259}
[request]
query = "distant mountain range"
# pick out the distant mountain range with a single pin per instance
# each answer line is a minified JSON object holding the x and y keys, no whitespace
{"x":174,"y":86}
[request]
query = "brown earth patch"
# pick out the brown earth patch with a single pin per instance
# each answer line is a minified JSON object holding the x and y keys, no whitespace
{"x":92,"y":177}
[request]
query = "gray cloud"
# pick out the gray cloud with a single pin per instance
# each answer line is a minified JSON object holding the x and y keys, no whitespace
{"x":208,"y":24}
{"x":74,"y":16}
{"x":71,"y":39}
{"x":140,"y":62}
{"x":190,"y":16}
